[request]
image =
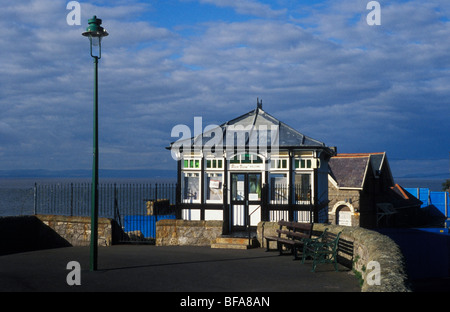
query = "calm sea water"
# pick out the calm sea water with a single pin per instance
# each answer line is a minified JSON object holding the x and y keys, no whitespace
{"x":17,"y":194}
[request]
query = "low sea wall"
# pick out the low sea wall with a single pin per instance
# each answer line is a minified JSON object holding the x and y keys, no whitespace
{"x":367,"y":246}
{"x":77,"y":230}
{"x":187,"y":233}
{"x":28,"y":233}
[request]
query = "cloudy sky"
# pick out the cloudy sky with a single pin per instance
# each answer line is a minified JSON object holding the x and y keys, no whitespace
{"x":317,"y":65}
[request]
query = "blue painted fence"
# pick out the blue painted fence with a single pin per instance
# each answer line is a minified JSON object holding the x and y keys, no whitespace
{"x":438,"y":200}
{"x":145,"y":224}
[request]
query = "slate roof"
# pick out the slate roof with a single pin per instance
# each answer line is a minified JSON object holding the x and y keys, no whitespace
{"x":288,"y":137}
{"x":349,"y":171}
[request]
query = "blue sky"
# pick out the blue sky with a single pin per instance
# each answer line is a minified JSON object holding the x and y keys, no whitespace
{"x":317,"y":65}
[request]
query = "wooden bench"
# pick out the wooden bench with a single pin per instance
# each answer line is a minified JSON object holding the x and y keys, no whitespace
{"x":291,"y":235}
{"x":322,"y":250}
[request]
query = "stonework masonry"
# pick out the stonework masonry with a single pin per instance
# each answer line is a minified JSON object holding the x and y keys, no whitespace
{"x":187,"y":233}
{"x":77,"y":230}
{"x":351,"y":196}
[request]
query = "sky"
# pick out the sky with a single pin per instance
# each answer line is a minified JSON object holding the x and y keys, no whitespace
{"x":318,"y":66}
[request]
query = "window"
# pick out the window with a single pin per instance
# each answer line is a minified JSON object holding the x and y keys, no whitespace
{"x":214,"y":186}
{"x":246,"y":159}
{"x":278,"y":188}
{"x":279,"y":163}
{"x":303,"y":163}
{"x":191,"y":186}
{"x":214,"y":164}
{"x":192,"y":163}
{"x":302,"y":187}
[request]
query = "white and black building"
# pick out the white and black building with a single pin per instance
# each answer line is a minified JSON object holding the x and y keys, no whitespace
{"x":250,"y":169}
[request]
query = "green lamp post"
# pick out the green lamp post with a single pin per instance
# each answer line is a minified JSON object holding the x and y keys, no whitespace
{"x":95,"y":33}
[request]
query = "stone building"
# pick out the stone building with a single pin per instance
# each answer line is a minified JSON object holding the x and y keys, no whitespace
{"x":362,"y":192}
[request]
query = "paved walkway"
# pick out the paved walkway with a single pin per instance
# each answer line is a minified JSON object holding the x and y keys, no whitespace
{"x":170,"y":269}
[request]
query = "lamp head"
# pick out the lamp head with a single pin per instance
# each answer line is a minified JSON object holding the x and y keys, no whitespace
{"x":94,"y":31}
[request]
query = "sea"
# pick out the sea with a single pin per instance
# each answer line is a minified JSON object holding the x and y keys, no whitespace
{"x":17,"y":194}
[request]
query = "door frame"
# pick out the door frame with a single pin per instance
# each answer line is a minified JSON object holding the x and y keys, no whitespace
{"x":246,"y":202}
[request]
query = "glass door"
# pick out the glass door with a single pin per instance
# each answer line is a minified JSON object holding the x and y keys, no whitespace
{"x":245,"y":200}
{"x":254,"y":198}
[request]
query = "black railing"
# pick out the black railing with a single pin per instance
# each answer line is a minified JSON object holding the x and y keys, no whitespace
{"x":295,"y":203}
{"x":74,"y":199}
{"x":135,"y":207}
{"x":279,"y":194}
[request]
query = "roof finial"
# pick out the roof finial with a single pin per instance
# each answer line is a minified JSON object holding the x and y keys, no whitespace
{"x":258,"y":103}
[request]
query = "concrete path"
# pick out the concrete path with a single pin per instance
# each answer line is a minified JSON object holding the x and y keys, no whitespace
{"x":146,"y":268}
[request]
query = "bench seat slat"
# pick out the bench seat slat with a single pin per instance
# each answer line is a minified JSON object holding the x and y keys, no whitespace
{"x":298,"y":235}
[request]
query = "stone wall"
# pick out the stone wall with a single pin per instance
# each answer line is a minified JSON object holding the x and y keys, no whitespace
{"x":28,"y":233}
{"x":187,"y":233}
{"x":367,"y":246}
{"x":352,"y":199}
{"x":77,"y":230}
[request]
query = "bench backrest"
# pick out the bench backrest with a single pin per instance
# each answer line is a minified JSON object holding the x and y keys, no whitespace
{"x":295,"y":230}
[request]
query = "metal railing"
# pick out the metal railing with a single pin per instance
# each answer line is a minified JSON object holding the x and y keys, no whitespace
{"x":74,"y":199}
{"x":135,"y":207}
{"x":279,"y":193}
